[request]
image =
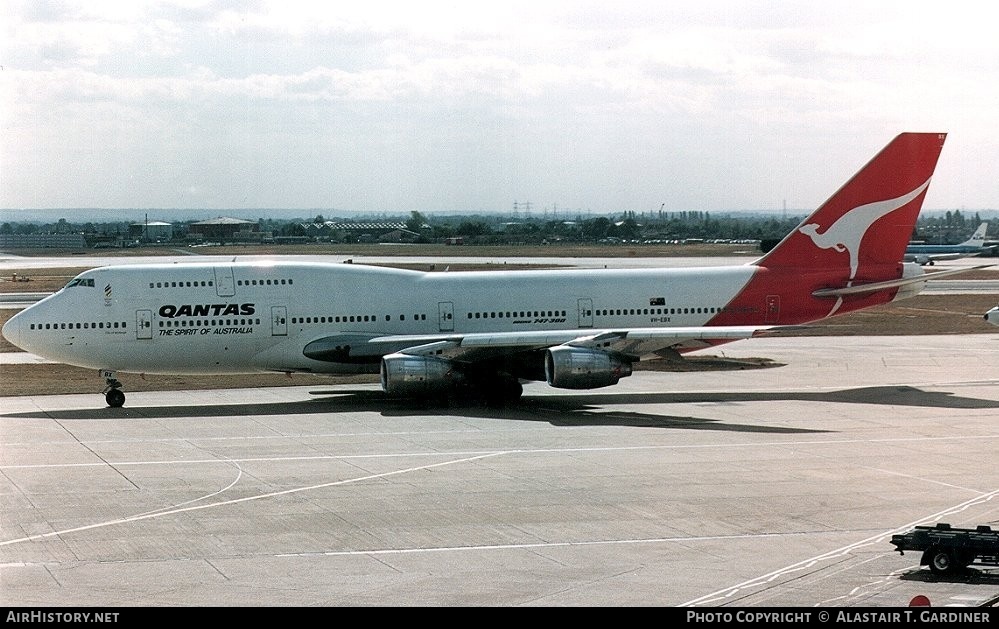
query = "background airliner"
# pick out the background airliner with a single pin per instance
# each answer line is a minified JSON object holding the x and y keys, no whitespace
{"x":928,"y":254}
{"x":431,"y":334}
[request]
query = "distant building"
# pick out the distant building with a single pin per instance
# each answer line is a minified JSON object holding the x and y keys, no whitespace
{"x":363,"y":226}
{"x":153,"y":231}
{"x":358,"y":231}
{"x":221,"y":229}
{"x":399,"y":235}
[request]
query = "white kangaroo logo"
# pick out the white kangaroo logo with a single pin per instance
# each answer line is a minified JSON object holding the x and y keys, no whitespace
{"x":846,"y":233}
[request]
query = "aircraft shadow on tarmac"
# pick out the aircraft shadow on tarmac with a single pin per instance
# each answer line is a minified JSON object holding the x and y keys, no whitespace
{"x":557,"y":410}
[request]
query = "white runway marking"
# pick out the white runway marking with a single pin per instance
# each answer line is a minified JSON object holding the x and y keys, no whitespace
{"x":604,"y":542}
{"x":285,"y":492}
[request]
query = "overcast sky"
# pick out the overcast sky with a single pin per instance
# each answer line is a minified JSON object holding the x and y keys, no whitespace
{"x":577,"y":107}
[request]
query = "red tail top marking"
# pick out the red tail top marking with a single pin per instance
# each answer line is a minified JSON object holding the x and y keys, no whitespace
{"x":871,"y":218}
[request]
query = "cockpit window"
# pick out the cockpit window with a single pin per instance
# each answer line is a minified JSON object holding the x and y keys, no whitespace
{"x":81,"y":281}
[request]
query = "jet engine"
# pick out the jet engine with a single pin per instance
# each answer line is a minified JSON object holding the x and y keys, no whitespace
{"x":992,"y":316}
{"x":402,"y":374}
{"x":579,"y":368}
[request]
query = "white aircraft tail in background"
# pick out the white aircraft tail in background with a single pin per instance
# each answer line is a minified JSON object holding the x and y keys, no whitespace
{"x":928,"y":254}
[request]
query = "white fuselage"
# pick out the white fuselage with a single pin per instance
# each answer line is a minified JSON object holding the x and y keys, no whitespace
{"x":253,"y":317}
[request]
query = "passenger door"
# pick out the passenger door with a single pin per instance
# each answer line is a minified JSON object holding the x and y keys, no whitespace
{"x":446,"y":316}
{"x":279,"y":321}
{"x":585,"y":307}
{"x":143,"y":324}
{"x":773,"y":309}
{"x":225,"y":286}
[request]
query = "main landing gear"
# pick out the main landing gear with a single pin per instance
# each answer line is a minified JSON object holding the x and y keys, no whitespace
{"x":498,"y":392}
{"x":113,"y":394}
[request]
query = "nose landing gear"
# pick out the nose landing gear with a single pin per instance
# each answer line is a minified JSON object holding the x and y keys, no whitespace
{"x":113,"y":394}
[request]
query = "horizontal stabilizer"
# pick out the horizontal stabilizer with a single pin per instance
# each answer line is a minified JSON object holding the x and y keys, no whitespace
{"x":862,"y":289}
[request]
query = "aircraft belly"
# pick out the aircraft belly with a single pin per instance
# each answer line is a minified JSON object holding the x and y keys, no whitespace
{"x":191,"y":352}
{"x":287,"y":356}
{"x":90,"y":350}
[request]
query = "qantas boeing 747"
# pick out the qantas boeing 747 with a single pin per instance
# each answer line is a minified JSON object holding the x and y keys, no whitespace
{"x":429,"y":334}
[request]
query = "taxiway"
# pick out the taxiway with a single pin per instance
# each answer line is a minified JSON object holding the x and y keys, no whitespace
{"x":763,"y":487}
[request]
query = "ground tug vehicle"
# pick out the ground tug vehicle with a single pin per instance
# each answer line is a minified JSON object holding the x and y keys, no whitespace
{"x":947,"y":550}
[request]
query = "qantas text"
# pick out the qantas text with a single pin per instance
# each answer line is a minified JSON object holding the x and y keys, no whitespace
{"x":206,"y":310}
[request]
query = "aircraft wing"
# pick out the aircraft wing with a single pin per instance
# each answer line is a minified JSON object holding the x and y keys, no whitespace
{"x":924,"y":259}
{"x":632,"y":342}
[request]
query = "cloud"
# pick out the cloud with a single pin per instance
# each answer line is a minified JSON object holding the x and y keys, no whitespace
{"x":586,"y":104}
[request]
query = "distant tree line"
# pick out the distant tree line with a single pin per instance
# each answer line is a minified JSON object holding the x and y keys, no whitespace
{"x":950,"y":226}
{"x":499,"y":229}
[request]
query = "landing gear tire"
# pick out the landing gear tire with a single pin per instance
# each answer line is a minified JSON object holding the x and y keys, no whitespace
{"x":113,"y":393}
{"x":504,"y":392}
{"x":115,"y":398}
{"x":513,"y":390}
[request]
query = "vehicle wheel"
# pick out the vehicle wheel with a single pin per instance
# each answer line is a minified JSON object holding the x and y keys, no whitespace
{"x":115,"y":398}
{"x":942,"y":562}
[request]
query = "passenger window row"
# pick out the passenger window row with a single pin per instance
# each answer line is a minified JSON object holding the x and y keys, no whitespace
{"x":99,"y":325}
{"x":202,"y":283}
{"x":264,"y":282}
{"x":353,"y":318}
{"x":516,"y":314}
{"x":655,"y":311}
{"x":193,"y":284}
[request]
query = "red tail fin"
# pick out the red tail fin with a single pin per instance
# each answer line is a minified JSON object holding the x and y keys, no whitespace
{"x":870,"y":220}
{"x":857,"y":237}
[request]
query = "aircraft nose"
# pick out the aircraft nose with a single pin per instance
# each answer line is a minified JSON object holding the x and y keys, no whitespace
{"x":12,"y":329}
